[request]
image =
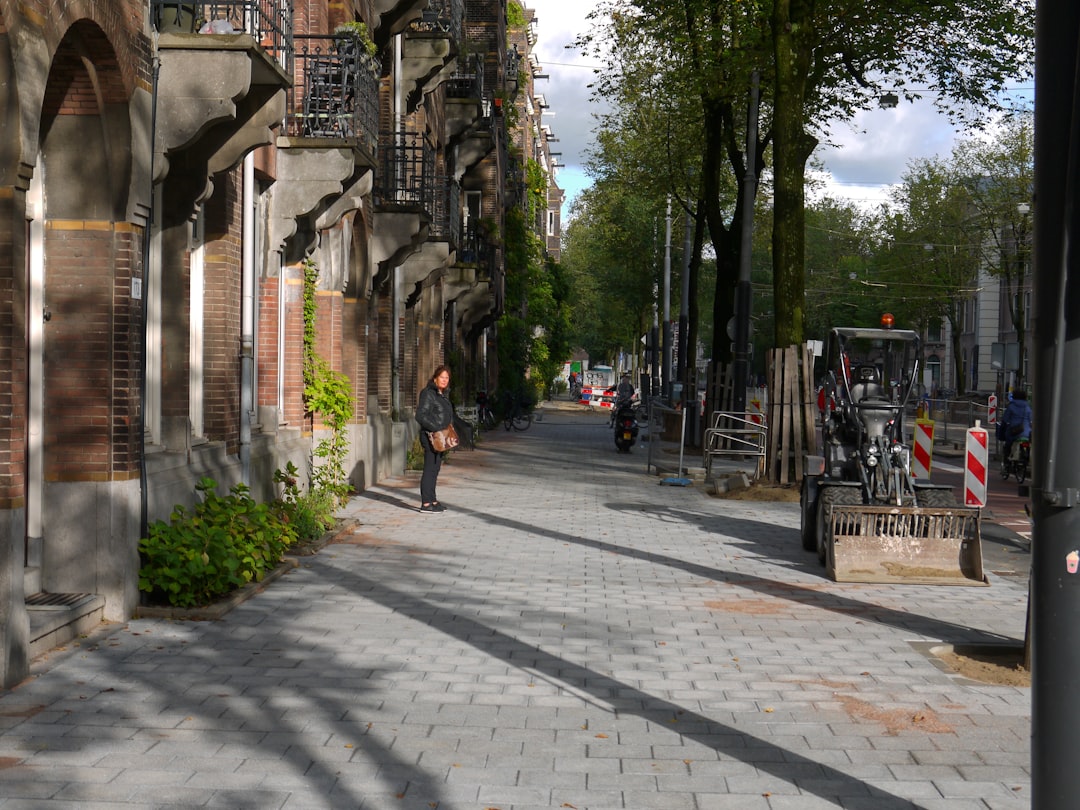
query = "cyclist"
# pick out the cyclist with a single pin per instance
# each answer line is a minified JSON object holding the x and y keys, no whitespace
{"x":1016,"y":421}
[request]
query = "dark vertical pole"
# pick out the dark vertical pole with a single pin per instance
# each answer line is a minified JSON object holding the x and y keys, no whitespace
{"x":665,"y":363}
{"x":742,"y":289}
{"x":685,"y":362}
{"x":1055,"y":577}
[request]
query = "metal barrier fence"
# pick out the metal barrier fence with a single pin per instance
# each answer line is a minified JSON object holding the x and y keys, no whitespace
{"x":735,"y":436}
{"x":952,"y":417}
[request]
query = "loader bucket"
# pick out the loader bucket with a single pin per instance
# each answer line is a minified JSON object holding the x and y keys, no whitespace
{"x":913,"y":545}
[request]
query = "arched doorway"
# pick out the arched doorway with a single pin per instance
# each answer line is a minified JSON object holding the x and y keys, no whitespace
{"x":84,"y":262}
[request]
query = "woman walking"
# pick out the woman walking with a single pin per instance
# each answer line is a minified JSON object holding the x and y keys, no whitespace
{"x":434,"y":411}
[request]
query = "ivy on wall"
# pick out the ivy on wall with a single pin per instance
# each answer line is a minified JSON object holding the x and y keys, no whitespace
{"x":328,"y":393}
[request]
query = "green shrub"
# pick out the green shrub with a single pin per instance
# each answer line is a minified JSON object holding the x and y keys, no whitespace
{"x":309,"y":514}
{"x":414,"y":457}
{"x":222,"y":544}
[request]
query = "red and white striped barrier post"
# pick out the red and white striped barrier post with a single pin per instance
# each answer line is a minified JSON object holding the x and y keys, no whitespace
{"x":924,"y":448}
{"x":975,"y":466}
{"x":991,"y":410}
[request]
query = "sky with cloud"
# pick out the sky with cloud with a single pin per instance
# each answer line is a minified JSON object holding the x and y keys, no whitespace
{"x":863,"y":159}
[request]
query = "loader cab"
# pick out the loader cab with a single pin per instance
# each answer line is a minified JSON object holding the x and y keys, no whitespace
{"x":870,"y":377}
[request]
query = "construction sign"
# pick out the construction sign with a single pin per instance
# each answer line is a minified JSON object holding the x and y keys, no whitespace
{"x":922,"y":455}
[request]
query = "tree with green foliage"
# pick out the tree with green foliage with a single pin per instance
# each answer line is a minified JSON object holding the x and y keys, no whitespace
{"x":677,"y":85}
{"x":534,"y":329}
{"x":843,"y":283}
{"x":998,"y":174}
{"x":935,"y":256}
{"x":834,"y":57}
{"x":611,"y":256}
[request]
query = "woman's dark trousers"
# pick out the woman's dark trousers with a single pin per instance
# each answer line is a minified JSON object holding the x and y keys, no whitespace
{"x":432,"y":465}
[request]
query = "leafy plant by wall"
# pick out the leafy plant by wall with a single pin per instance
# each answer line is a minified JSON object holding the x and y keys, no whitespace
{"x":220,"y":545}
{"x":328,"y":393}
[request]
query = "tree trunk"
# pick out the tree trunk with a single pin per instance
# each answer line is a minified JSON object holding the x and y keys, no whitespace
{"x":792,"y":147}
{"x":725,"y":238}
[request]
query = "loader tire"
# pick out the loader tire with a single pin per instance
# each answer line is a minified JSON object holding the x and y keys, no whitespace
{"x":827,"y":498}
{"x":937,"y":498}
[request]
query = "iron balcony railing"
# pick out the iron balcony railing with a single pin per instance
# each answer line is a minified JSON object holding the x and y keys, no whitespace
{"x":442,"y":17}
{"x":446,"y":211}
{"x":468,"y":81}
{"x":335,"y":92}
{"x":476,"y":249}
{"x":406,"y":171}
{"x":268,"y":22}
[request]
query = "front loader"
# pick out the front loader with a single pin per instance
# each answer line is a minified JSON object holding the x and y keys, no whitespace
{"x":862,"y":510}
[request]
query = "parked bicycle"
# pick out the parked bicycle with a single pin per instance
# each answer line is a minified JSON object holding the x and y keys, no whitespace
{"x":485,"y":417}
{"x":517,"y":411}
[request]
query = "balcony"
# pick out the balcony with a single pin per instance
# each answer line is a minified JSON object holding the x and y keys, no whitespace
{"x":468,"y":116}
{"x":268,"y":22}
{"x":441,"y":17}
{"x":446,"y":212}
{"x":467,"y":82}
{"x":430,"y":48}
{"x":336,"y":93}
{"x":478,"y":252}
{"x":406,"y":172}
{"x":430,"y":258}
{"x":403,"y":197}
{"x":221,"y":91}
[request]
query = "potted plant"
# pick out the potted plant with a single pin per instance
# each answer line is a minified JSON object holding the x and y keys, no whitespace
{"x":354,"y":34}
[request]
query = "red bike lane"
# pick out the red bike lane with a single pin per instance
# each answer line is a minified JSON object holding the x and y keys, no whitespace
{"x":1006,"y":525}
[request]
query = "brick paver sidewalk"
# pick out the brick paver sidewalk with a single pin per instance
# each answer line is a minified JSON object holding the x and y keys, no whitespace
{"x":570,"y":634}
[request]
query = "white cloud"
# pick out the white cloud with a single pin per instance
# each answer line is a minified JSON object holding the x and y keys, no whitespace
{"x":863,"y":159}
{"x":572,"y":114}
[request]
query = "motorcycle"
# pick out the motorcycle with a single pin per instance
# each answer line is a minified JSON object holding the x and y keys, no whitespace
{"x":626,"y":427}
{"x":1018,"y":462}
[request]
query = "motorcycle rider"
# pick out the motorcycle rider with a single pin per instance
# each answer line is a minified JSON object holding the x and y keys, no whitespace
{"x":1016,"y":421}
{"x":623,"y":395}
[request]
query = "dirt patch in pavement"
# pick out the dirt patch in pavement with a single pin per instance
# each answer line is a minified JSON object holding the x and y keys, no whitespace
{"x":999,"y":667}
{"x":763,"y":492}
{"x":751,"y":607}
{"x":895,"y":720}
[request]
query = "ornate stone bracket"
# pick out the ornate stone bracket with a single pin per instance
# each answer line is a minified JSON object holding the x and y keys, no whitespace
{"x":431,"y":256}
{"x":394,"y":16}
{"x":308,"y":179}
{"x":218,"y":98}
{"x":426,"y":61}
{"x":395,"y":235}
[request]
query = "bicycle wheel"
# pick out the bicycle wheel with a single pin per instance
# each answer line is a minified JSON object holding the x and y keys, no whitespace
{"x":487,"y":420}
{"x":522,"y":421}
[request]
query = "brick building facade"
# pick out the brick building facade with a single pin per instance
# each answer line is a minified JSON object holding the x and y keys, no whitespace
{"x":170,"y":168}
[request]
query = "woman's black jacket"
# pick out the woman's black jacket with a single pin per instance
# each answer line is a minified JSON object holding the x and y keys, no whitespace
{"x":434,"y":411}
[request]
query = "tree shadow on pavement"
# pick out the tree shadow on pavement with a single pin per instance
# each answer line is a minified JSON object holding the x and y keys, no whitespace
{"x":624,"y":699}
{"x":745,"y":531}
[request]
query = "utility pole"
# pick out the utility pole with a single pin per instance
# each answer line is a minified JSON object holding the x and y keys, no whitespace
{"x":685,"y":361}
{"x":1054,"y":596}
{"x":665,"y":371}
{"x":742,"y":289}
